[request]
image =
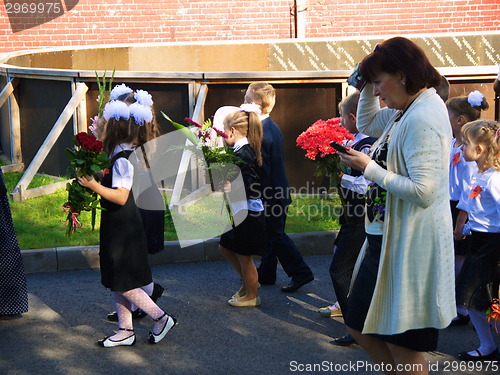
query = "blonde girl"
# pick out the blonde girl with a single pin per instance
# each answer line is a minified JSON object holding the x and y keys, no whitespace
{"x":248,"y":238}
{"x":477,"y":282}
{"x":123,"y":243}
{"x":461,"y":110}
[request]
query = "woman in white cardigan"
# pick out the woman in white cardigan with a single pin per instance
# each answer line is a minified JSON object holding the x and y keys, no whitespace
{"x":404,"y":290}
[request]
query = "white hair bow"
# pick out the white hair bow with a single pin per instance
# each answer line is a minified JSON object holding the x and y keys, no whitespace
{"x":116,"y":109}
{"x":119,"y":90}
{"x":251,"y":107}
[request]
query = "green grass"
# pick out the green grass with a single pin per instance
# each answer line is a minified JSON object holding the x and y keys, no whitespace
{"x":41,"y":222}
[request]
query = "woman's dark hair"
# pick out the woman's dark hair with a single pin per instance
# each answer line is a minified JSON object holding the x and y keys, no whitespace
{"x":401,"y":55}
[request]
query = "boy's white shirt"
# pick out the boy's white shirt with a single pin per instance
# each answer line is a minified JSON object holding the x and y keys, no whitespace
{"x":358,"y":184}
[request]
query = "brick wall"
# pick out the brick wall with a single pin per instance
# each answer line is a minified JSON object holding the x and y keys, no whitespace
{"x":87,"y":22}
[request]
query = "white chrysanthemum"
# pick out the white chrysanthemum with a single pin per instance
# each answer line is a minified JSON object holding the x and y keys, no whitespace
{"x":142,"y":114}
{"x":144,"y":98}
{"x":475,"y":99}
{"x":118,"y":91}
{"x":251,"y":107}
{"x":116,"y":109}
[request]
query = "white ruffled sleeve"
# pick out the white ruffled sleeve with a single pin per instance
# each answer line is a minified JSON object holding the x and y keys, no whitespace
{"x":123,"y":174}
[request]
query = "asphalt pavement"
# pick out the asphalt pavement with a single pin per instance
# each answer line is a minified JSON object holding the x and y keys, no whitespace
{"x":285,"y":335}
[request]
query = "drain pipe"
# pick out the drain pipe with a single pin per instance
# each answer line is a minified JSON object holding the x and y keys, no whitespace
{"x":300,"y":18}
{"x":496,"y":89}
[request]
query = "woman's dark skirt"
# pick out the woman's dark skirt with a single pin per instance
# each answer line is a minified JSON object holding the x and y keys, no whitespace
{"x":422,"y":340}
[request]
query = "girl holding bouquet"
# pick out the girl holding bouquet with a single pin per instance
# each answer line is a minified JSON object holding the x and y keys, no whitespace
{"x":244,"y":131}
{"x":123,"y":244}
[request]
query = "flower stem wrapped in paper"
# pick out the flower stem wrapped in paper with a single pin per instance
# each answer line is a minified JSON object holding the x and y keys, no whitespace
{"x":86,"y":158}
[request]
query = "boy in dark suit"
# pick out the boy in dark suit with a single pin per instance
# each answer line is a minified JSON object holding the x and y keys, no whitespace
{"x":276,"y":198}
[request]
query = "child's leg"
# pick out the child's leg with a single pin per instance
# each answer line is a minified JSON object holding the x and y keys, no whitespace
{"x":234,"y":262}
{"x":249,"y":275}
{"x":461,"y":310}
{"x":124,"y":317}
{"x":483,"y":330}
{"x":148,"y":289}
{"x":141,"y":299}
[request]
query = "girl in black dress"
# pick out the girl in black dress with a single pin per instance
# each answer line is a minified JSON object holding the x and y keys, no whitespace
{"x":247,"y":238}
{"x":123,"y":245}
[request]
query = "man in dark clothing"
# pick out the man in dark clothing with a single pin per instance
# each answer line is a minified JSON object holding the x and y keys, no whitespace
{"x":276,"y":198}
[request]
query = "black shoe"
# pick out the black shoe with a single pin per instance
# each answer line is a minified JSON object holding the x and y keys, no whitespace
{"x":465,"y":356}
{"x":460,"y":320}
{"x":157,"y":292}
{"x":139,"y":314}
{"x":296,"y":285}
{"x":344,"y":341}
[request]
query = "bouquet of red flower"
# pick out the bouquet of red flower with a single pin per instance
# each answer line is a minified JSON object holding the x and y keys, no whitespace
{"x":86,"y":158}
{"x":316,"y":141}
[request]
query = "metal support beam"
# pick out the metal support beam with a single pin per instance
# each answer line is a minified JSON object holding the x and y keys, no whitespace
{"x":187,"y":155}
{"x":6,"y":92}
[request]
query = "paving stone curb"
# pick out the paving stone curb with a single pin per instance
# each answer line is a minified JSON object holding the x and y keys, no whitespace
{"x":87,"y":257}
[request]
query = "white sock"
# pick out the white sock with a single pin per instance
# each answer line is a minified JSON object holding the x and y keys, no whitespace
{"x":483,"y":331}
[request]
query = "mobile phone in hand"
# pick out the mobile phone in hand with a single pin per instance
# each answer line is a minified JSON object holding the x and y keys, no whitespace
{"x":338,"y":147}
{"x":356,"y":79}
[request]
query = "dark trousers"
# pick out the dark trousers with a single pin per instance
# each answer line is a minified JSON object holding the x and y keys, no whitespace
{"x":281,"y":248}
{"x":349,"y":241}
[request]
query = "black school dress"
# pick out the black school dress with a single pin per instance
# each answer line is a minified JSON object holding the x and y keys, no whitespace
{"x":123,"y":246}
{"x":249,"y":237}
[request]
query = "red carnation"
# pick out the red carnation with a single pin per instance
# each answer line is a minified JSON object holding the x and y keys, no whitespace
{"x":316,"y":139}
